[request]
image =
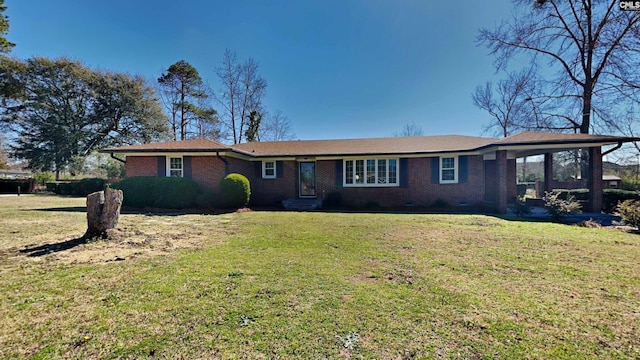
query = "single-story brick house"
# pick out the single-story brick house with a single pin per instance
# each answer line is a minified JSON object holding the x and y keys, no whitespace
{"x":397,"y":171}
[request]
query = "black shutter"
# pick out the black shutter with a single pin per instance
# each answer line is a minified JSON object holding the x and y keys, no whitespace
{"x":257,"y":167}
{"x":404,"y":172}
{"x":339,"y":173}
{"x":462,"y":169}
{"x":435,"y":170}
{"x":186,"y":167}
{"x":162,"y":166}
{"x":279,"y":169}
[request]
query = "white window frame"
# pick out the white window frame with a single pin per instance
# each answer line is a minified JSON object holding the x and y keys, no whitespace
{"x":264,"y":169}
{"x":376,"y":182}
{"x":169,"y":165}
{"x":455,"y":170}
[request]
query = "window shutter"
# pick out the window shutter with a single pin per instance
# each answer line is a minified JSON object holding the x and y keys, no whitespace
{"x":186,"y":167}
{"x":162,"y":166}
{"x":257,"y":166}
{"x":404,"y":172}
{"x":279,"y":169}
{"x":339,"y":173}
{"x":435,"y":170}
{"x":462,"y":169}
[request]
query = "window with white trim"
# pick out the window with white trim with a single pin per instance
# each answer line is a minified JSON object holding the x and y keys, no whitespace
{"x":449,"y":170}
{"x":370,"y":172}
{"x":268,"y":169}
{"x":175,"y":167}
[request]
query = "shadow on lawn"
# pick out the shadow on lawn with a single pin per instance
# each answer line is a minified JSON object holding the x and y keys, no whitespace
{"x":46,"y":249}
{"x":143,"y":211}
{"x":64,"y":209}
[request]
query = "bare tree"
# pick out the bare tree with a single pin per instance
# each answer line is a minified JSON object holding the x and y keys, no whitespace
{"x":276,"y":127}
{"x":628,"y":124}
{"x":412,"y":129}
{"x":510,"y":102}
{"x":591,"y":53}
{"x":242,"y":92}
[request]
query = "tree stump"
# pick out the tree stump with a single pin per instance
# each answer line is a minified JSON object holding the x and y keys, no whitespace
{"x":103,"y":211}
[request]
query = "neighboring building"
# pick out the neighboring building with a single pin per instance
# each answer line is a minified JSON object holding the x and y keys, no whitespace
{"x":399,"y":171}
{"x":14,"y":174}
{"x":611,"y":181}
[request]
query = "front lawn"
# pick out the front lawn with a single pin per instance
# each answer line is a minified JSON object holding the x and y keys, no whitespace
{"x":313,"y":285}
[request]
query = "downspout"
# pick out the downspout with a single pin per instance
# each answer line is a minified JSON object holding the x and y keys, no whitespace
{"x":117,"y":158}
{"x":613,"y":149}
{"x":226,"y":163}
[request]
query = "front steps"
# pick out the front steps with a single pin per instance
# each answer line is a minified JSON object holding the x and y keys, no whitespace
{"x":302,"y":204}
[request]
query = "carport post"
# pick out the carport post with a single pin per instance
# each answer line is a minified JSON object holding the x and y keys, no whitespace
{"x":594,"y":179}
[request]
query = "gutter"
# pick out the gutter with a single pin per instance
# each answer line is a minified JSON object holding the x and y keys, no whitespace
{"x":117,"y":158}
{"x":225,"y":161}
{"x":613,"y":148}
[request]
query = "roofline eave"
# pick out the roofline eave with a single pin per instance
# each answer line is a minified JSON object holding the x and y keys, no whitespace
{"x":324,"y":156}
{"x":550,"y":147}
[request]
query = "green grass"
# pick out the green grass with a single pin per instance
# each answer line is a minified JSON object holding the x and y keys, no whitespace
{"x":315,"y":285}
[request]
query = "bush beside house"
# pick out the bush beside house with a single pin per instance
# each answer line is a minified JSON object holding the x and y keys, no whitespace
{"x":558,"y":207}
{"x":610,"y":197}
{"x":629,"y":212}
{"x":613,"y":197}
{"x":159,"y":192}
{"x":235,"y":191}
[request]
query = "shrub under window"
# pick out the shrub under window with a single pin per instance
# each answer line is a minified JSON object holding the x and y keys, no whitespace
{"x":160,"y":192}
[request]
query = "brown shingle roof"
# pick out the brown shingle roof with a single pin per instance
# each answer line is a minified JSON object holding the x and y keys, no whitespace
{"x":378,"y":146}
{"x":374,"y":146}
{"x":195,"y":145}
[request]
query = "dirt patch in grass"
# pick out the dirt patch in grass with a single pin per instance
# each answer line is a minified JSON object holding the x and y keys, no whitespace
{"x":136,"y":236}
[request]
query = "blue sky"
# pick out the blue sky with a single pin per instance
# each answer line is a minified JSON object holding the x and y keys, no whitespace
{"x":335,"y":68}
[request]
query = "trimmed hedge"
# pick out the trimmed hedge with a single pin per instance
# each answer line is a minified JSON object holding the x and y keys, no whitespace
{"x":85,"y":187}
{"x":10,"y":186}
{"x":576,"y":194}
{"x":612,"y":197}
{"x":235,"y":191}
{"x":159,"y":192}
{"x":82,"y":187}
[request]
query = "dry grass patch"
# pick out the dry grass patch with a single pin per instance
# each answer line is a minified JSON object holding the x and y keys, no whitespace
{"x":45,"y":228}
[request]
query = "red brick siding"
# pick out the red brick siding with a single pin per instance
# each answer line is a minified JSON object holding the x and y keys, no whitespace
{"x":209,"y":170}
{"x":267,"y":192}
{"x":141,"y":166}
{"x":594,"y":179}
{"x":512,"y":188}
{"x":420,"y":191}
{"x":500,"y":175}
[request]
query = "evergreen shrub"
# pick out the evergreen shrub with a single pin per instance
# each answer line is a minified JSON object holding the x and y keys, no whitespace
{"x":160,"y":192}
{"x":235,"y":191}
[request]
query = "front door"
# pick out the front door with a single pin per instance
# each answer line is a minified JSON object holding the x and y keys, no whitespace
{"x":307,"y":177}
